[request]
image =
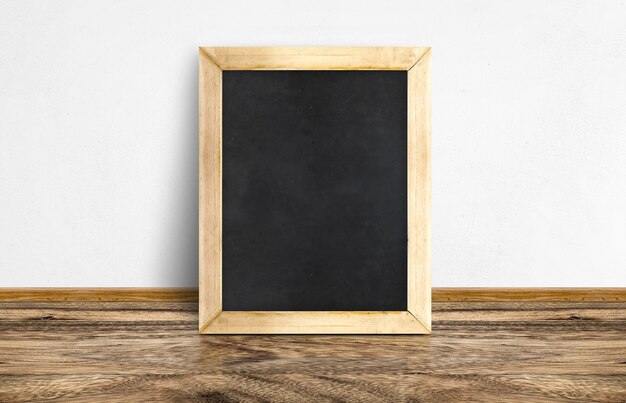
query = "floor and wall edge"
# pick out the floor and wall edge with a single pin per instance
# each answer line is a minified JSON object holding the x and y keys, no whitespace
{"x":191,"y":294}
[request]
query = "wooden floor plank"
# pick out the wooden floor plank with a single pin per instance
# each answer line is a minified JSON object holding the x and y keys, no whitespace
{"x":150,"y":351}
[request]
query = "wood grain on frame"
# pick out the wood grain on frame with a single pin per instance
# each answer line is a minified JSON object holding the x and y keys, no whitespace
{"x":315,"y":58}
{"x":307,"y":322}
{"x":210,"y":190}
{"x":417,"y":318}
{"x":419,"y":178}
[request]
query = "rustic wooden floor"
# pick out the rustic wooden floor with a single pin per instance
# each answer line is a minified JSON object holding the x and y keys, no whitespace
{"x":150,"y":351}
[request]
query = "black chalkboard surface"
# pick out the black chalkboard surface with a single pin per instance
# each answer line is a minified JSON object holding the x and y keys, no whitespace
{"x":314,"y":190}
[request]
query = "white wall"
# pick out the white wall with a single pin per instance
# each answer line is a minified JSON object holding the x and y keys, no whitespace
{"x":98,"y":129}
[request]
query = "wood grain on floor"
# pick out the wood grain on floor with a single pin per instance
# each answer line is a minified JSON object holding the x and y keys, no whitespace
{"x":150,"y":351}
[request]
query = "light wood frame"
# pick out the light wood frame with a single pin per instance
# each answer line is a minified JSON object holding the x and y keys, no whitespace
{"x":416,"y":61}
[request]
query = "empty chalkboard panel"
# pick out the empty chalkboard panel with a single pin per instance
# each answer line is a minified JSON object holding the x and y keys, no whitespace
{"x":314,"y":190}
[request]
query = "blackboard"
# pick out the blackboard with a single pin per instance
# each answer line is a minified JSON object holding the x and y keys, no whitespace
{"x":314,"y":190}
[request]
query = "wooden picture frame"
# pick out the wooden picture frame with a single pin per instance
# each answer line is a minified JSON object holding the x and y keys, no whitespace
{"x":416,"y":61}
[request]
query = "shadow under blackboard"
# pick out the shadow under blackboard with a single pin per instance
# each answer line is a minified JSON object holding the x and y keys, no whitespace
{"x":178,"y":264}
